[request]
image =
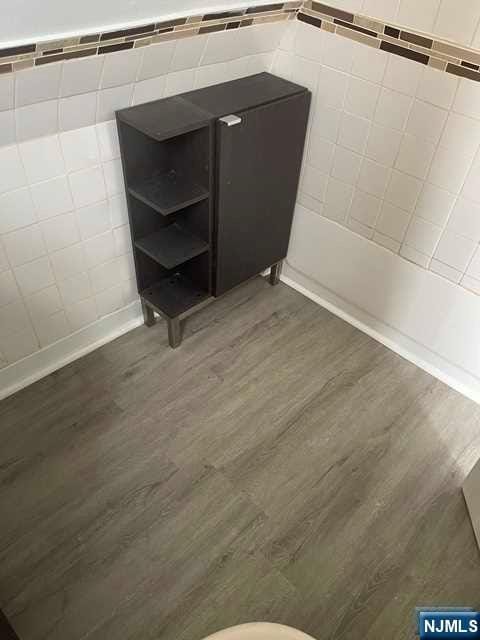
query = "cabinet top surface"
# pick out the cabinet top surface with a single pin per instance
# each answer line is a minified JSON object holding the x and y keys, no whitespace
{"x":168,"y":117}
{"x":165,"y":118}
{"x":238,"y":95}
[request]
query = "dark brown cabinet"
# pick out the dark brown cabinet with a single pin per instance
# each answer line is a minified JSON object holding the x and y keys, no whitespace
{"x":211,"y":178}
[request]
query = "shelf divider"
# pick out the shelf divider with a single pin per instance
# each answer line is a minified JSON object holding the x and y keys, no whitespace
{"x":169,"y":192}
{"x":174,"y":295}
{"x":171,"y":246}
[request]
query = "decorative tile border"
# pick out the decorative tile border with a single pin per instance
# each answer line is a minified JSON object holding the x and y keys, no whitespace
{"x":38,"y":54}
{"x":421,"y":48}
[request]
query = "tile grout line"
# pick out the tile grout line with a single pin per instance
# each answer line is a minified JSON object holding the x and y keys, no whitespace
{"x":456,"y":195}
{"x":425,"y":181}
{"x":382,"y":199}
{"x":392,"y":169}
{"x":74,"y":213}
{"x":22,"y":297}
{"x":437,"y":14}
{"x":457,"y":198}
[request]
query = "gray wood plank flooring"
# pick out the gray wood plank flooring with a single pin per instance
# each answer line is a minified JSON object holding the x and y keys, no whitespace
{"x":279,"y":466}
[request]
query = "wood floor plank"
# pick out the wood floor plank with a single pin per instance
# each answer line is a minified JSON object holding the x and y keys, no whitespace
{"x":158,"y":563}
{"x":279,"y":466}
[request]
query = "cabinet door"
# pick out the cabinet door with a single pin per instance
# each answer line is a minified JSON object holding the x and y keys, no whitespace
{"x":258,"y":168}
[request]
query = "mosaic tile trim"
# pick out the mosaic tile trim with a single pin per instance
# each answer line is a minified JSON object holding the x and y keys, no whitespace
{"x":421,"y":48}
{"x":37,"y":54}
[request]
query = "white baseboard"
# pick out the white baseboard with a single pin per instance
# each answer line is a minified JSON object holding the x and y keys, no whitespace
{"x":41,"y":363}
{"x":445,"y":371}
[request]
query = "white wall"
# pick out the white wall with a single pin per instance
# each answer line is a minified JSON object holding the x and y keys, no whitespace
{"x":457,"y":20}
{"x":36,"y":20}
{"x":388,"y":219}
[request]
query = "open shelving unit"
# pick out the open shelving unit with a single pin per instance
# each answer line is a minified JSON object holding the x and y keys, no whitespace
{"x":211,"y":178}
{"x":167,"y":164}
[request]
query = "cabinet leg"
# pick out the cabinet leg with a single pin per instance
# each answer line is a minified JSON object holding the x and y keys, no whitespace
{"x":148,"y":315}
{"x":275,"y":271}
{"x":174,"y":332}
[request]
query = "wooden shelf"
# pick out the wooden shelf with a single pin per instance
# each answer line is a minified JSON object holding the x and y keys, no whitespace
{"x":174,"y":295}
{"x":169,"y":192}
{"x":171,"y":246}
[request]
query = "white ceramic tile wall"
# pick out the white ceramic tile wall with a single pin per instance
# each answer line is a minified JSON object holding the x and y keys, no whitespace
{"x":74,"y":94}
{"x":456,"y":20}
{"x":393,"y":150}
{"x":51,"y":243}
{"x":65,"y":252}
